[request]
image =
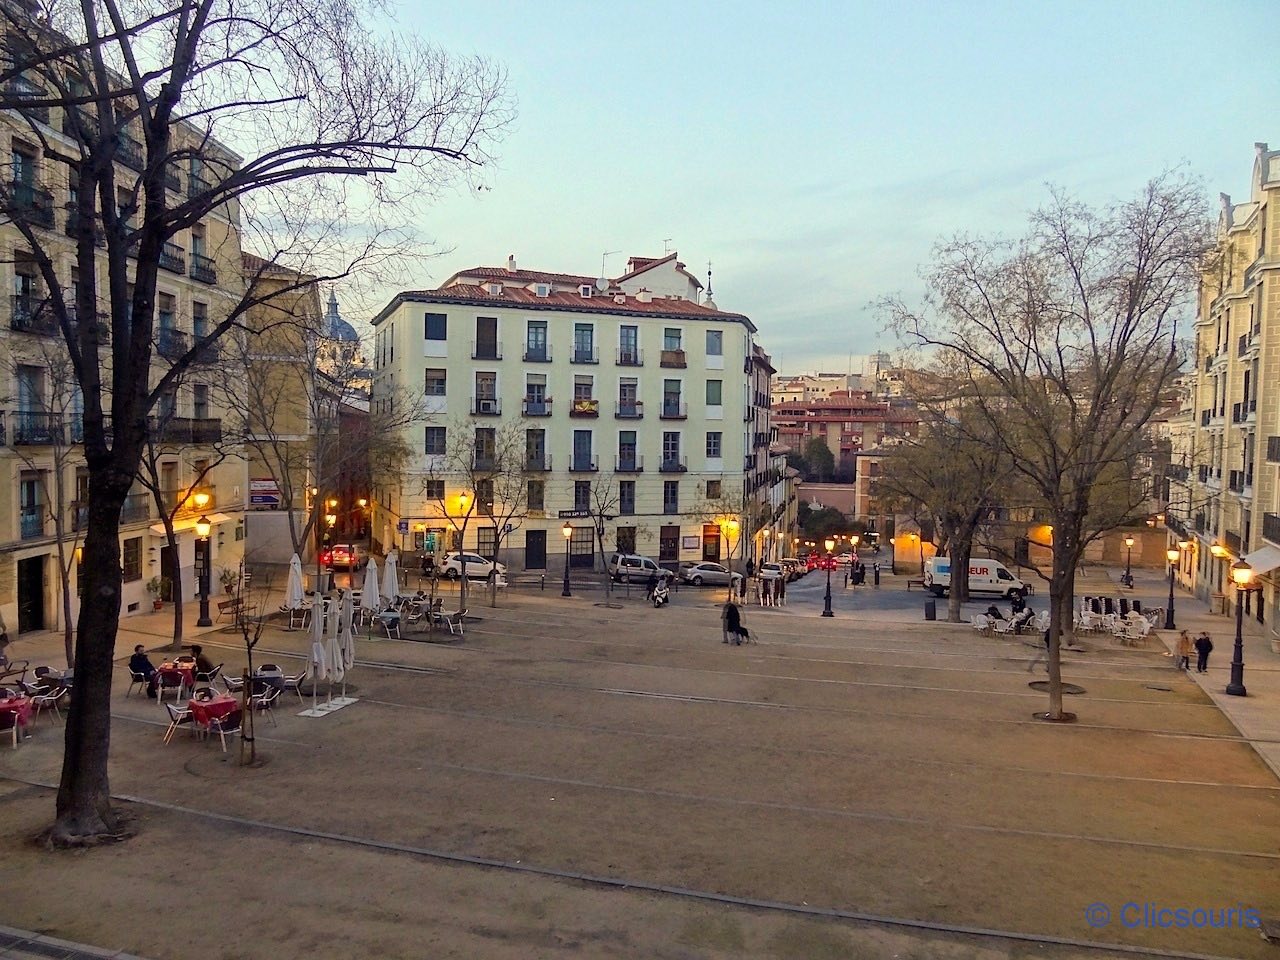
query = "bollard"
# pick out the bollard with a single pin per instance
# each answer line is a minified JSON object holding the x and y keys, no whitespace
{"x":877,"y":572}
{"x":543,"y":582}
{"x":930,"y":610}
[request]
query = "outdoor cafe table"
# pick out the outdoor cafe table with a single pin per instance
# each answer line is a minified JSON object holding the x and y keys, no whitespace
{"x":19,"y":707}
{"x":188,"y":671}
{"x":205,"y":711}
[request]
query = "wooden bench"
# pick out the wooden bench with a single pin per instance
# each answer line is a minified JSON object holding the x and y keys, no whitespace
{"x":914,"y":583}
{"x":234,"y":606}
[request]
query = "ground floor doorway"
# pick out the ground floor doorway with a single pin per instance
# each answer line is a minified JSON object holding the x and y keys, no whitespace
{"x":31,"y":593}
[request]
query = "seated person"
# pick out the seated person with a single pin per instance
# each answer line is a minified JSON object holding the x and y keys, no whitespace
{"x":203,"y":663}
{"x":994,"y":613}
{"x":1023,"y":619}
{"x":4,"y":649}
{"x":141,"y":664}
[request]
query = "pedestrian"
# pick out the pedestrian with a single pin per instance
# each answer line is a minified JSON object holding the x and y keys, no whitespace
{"x":1204,"y":647}
{"x":1016,"y":603}
{"x":781,"y":590}
{"x":650,"y":586}
{"x":733,"y":624}
{"x":1041,"y":655}
{"x":751,"y":566}
{"x":764,"y":592}
{"x":742,"y":585}
{"x":1185,"y":647}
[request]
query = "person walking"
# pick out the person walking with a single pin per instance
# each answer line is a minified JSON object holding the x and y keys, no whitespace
{"x":733,"y":623}
{"x":1204,"y":647}
{"x":1182,"y":659}
{"x":1041,"y":655}
{"x":742,"y":585}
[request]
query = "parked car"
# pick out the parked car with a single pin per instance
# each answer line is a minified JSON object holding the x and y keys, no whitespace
{"x":795,"y":567}
{"x":846,"y":559}
{"x":343,"y":556}
{"x":632,"y":567}
{"x":478,"y":567}
{"x":770,"y":571}
{"x":708,"y":572}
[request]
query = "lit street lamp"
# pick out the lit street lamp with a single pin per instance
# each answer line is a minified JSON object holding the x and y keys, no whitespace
{"x":1172,"y":555}
{"x":567,"y":530}
{"x":203,"y":526}
{"x":1242,"y":575}
{"x":1128,"y":563}
{"x":893,"y":556}
{"x":826,"y":601}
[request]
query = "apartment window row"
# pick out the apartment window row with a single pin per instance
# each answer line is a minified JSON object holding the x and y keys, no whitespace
{"x":485,"y":383}
{"x":583,"y":457}
{"x":583,"y":497}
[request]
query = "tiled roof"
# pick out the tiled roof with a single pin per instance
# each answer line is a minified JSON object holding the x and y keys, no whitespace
{"x":528,"y":276}
{"x":643,"y":264}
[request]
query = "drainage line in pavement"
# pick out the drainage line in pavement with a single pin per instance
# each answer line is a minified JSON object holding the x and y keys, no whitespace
{"x":618,"y":883}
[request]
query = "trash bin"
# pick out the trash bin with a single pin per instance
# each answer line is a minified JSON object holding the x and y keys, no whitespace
{"x":1218,"y":603}
{"x":931,"y":610}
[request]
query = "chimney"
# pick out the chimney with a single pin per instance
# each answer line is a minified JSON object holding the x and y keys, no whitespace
{"x":644,"y":296}
{"x":511,"y":263}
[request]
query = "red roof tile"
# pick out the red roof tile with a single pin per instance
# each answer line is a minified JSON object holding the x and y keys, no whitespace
{"x":528,"y":276}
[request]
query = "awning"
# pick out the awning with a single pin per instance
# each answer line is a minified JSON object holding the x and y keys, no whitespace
{"x":188,"y":523}
{"x":1263,"y":560}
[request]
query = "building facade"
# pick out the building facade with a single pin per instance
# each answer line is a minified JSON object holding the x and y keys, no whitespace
{"x":848,"y":423}
{"x":1224,"y":496}
{"x":623,"y":408}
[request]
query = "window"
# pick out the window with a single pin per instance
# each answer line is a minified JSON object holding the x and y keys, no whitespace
{"x":484,"y":497}
{"x":486,"y":385}
{"x":433,"y":489}
{"x":713,"y":489}
{"x":715,"y":392}
{"x":436,"y":326}
{"x":24,"y":167}
{"x":628,"y":345}
{"x":671,"y":496}
{"x":585,"y":290}
{"x":199,"y":318}
{"x":626,"y":537}
{"x":535,"y":343}
{"x":200,"y":401}
{"x":486,"y":446}
{"x":671,"y":338}
{"x":583,"y":388}
{"x":715,"y":343}
{"x":713,"y":445}
{"x":670,"y":448}
{"x":626,"y":504}
{"x":487,"y":541}
{"x":627,"y":449}
{"x":541,"y":290}
{"x":535,"y":448}
{"x":435,"y":439}
{"x":582,"y":494}
{"x":133,"y":559}
{"x":584,"y":343}
{"x":436,"y":380}
{"x":582,"y":457}
{"x":537,"y":495}
{"x":486,"y":346}
{"x":197,"y":238}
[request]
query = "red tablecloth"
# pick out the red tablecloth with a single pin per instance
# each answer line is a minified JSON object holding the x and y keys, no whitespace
{"x":188,"y":671}
{"x":21,"y":706}
{"x":205,"y":710}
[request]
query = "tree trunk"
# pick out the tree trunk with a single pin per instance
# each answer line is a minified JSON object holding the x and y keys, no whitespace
{"x":64,"y":576}
{"x":961,"y":548}
{"x":175,"y":583}
{"x":84,"y":814}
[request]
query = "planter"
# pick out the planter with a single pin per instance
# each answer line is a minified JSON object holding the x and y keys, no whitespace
{"x":157,"y":604}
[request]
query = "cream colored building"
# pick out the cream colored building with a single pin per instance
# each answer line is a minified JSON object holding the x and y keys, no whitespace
{"x":40,"y":429}
{"x":635,"y":386}
{"x":1229,"y":505}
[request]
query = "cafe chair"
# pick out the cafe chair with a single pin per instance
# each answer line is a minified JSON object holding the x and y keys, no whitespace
{"x":169,"y":680}
{"x":178,"y":716}
{"x":49,"y":701}
{"x":265,"y":702}
{"x":294,"y":683}
{"x":136,"y":679}
{"x":225,"y":725}
{"x":9,"y":727}
{"x":210,"y":676}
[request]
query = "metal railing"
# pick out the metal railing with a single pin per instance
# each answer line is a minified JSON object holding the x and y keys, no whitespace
{"x":538,"y":463}
{"x":673,"y":465}
{"x":30,"y":202}
{"x":1271,"y":527}
{"x":172,"y":343}
{"x":629,"y":464}
{"x":197,"y":185}
{"x":1232,"y":541}
{"x":129,"y":152}
{"x":32,"y":522}
{"x":36,"y":428}
{"x":20,"y":89}
{"x":630,"y":357}
{"x":537,"y":354}
{"x":536,"y":408}
{"x":585,"y":354}
{"x":203,"y":269}
{"x":486,"y":350}
{"x":674,"y":410}
{"x":584,"y":463}
{"x":172,"y":179}
{"x":185,"y":429}
{"x":629,"y":410}
{"x":173,"y":258}
{"x":486,"y":406}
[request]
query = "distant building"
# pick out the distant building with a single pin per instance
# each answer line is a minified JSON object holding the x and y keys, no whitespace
{"x":849,"y":423}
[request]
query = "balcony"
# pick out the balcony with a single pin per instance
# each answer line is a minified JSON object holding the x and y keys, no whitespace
{"x":536,"y":408}
{"x":209,"y":353}
{"x":628,"y":410}
{"x":628,"y":463}
{"x":31,"y":203}
{"x":1204,"y":417}
{"x":585,"y":408}
{"x":129,"y":152}
{"x":1176,"y":471}
{"x":72,"y":228}
{"x":172,"y":179}
{"x":674,"y":410}
{"x":28,"y":314}
{"x":197,"y":185}
{"x":1271,"y":527}
{"x":104,"y":328}
{"x":202,"y":269}
{"x":583,"y":463}
{"x":1240,"y":412}
{"x":183,"y":500}
{"x":673,"y":465}
{"x":486,"y":350}
{"x":585,"y":355}
{"x":1232,"y":541}
{"x":32,"y":522}
{"x":672,"y":358}
{"x":486,"y":406}
{"x":171,"y":343}
{"x":173,"y":258}
{"x":1273,"y":449}
{"x":36,"y":428}
{"x":136,"y":509}
{"x":537,"y":353}
{"x":538,"y":463}
{"x":184,"y":430}
{"x":630,"y":357}
{"x":1202,"y":523}
{"x":20,"y":88}
{"x":1235,"y":481}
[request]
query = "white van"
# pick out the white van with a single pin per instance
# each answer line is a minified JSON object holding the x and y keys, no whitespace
{"x":985,"y":576}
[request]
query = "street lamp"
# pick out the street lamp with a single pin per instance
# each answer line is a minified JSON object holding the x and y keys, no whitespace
{"x":203,"y":526}
{"x":826,"y":601}
{"x":893,"y":556}
{"x":1128,"y":563}
{"x":1172,"y":555}
{"x":567,"y":530}
{"x":1242,"y":575}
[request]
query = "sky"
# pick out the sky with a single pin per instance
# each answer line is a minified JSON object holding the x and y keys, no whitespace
{"x":816,"y":152}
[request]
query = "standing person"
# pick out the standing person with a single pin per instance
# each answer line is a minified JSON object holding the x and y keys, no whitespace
{"x":650,"y":586}
{"x":724,"y":621}
{"x":751,"y":566}
{"x":742,"y":585}
{"x":1041,"y":655}
{"x":1204,"y":647}
{"x":733,"y":623}
{"x":1183,"y":658}
{"x":782,"y":589}
{"x":765,"y":588}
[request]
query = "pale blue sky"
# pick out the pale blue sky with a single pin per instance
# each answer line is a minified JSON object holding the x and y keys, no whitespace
{"x":815,"y":152}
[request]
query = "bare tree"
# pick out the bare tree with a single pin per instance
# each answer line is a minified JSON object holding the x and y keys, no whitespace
{"x":334,"y":116}
{"x":1067,"y":341}
{"x":604,"y":497}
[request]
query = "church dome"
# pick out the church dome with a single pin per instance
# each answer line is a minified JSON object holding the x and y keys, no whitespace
{"x":335,"y":328}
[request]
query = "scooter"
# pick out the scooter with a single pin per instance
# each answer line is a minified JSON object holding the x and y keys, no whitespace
{"x":661,"y":595}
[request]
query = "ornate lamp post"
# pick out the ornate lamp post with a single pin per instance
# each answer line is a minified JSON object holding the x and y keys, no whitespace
{"x":1242,"y":576}
{"x":1172,"y":555}
{"x":893,"y":556}
{"x":567,"y":530}
{"x":826,"y":600}
{"x":1128,"y":562}
{"x":364,"y":518}
{"x":203,"y":526}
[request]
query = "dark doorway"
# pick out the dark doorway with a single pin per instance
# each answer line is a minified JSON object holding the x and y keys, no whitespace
{"x":535,"y":549}
{"x":31,"y":594}
{"x":168,"y":572}
{"x":669,"y":547}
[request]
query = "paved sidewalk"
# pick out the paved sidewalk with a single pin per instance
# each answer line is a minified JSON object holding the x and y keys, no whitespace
{"x":24,"y":945}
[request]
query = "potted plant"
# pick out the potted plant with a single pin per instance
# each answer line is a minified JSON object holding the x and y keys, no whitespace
{"x":157,"y":586}
{"x":228,"y":578}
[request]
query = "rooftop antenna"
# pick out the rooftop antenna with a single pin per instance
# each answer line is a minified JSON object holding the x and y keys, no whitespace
{"x":708,"y":279}
{"x":666,"y":245}
{"x":603,"y":257}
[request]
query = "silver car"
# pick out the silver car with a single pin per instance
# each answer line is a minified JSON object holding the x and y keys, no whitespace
{"x":707,"y":572}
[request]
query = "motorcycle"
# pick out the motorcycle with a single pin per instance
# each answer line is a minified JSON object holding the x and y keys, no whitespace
{"x":661,"y":595}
